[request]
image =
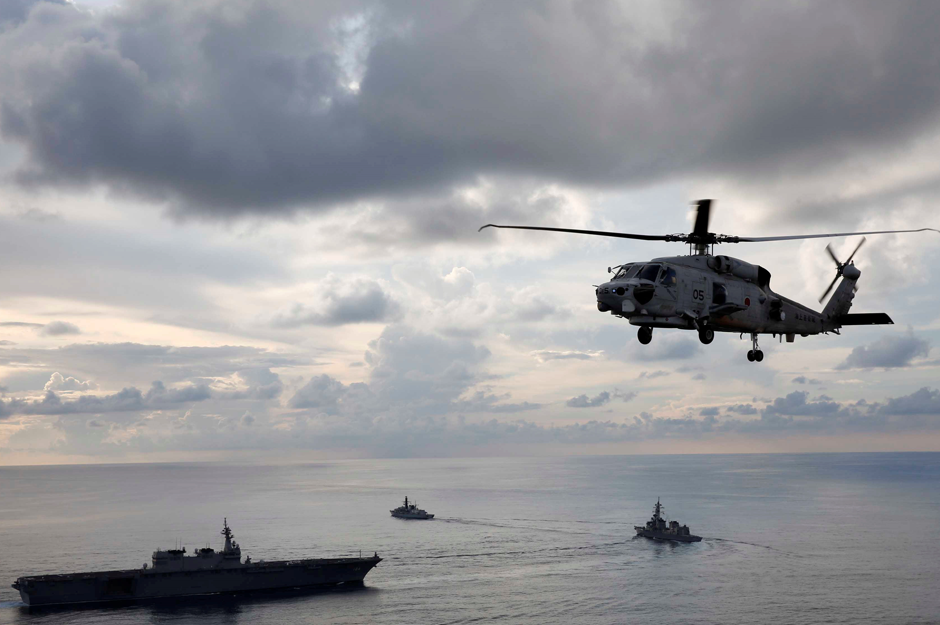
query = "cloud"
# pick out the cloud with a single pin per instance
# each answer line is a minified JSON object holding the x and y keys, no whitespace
{"x":922,"y":402}
{"x":113,"y":365}
{"x":129,"y":399}
{"x":60,"y":328}
{"x":796,"y":403}
{"x":39,"y":215}
{"x":544,"y":355}
{"x":666,"y":345}
{"x":5,"y":343}
{"x":270,"y":107}
{"x":742,"y":409}
{"x":652,"y":375}
{"x":802,"y":379}
{"x":17,"y":10}
{"x":343,"y":301}
{"x":322,"y":393}
{"x":414,"y":376}
{"x":57,"y":382}
{"x":624,"y":396}
{"x":582,"y":401}
{"x":888,"y":352}
{"x":711,"y":411}
{"x":55,"y":328}
{"x":481,"y":401}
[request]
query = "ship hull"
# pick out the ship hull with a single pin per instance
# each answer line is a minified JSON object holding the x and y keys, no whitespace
{"x":149,"y":584}
{"x":413,"y":517}
{"x":645,"y":533}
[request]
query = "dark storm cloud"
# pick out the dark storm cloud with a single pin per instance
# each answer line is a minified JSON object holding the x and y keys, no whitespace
{"x":252,"y":108}
{"x":887,"y":352}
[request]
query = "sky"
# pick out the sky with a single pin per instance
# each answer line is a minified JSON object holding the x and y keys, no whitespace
{"x":248,"y":229}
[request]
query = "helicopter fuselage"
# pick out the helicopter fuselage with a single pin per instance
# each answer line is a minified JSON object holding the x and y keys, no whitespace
{"x":709,"y":293}
{"x":699,"y":291}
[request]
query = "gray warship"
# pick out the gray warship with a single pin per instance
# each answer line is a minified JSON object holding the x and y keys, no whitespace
{"x":658,"y":529}
{"x":205,"y":572}
{"x":410,"y":511}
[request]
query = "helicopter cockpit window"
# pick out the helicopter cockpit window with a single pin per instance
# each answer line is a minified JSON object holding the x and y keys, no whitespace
{"x":649,"y":272}
{"x":626,"y":271}
{"x":669,"y":277}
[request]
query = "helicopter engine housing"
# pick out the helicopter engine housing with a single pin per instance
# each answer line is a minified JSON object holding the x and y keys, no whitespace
{"x":738,"y":268}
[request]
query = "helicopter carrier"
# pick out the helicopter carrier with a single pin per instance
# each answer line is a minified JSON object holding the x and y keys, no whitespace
{"x":658,"y":529}
{"x":175,"y":574}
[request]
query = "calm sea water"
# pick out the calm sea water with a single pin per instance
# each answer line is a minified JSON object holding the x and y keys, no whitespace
{"x":833,"y":538}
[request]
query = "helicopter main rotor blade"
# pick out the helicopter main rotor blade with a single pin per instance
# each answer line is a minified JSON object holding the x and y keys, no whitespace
{"x":857,"y":247}
{"x":724,"y":238}
{"x":832,"y":255}
{"x":831,"y":284}
{"x":618,"y":235}
{"x":703,"y":210}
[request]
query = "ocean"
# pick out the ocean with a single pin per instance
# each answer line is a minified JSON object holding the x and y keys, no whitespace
{"x":807,"y":538}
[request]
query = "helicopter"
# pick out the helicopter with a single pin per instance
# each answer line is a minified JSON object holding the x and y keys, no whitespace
{"x":712,"y":293}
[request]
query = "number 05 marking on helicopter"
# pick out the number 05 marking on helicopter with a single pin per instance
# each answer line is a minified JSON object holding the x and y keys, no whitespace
{"x":709,"y":293}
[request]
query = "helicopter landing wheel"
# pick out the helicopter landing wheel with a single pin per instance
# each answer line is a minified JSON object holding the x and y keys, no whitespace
{"x":645,"y":334}
{"x":758,"y":355}
{"x":750,"y":355}
{"x":706,"y":335}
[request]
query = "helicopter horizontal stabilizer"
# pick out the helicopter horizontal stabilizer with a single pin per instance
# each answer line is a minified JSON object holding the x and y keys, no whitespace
{"x":865,"y":319}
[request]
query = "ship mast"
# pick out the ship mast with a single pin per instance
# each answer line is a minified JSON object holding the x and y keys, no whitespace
{"x":227,"y":532}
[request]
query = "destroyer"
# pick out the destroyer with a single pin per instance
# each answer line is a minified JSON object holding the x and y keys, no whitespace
{"x":658,"y":528}
{"x":410,"y":511}
{"x":174,"y":574}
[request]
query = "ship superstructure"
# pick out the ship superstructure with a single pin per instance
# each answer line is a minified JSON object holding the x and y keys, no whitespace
{"x":172,"y":573}
{"x":410,"y":511}
{"x":659,"y":528}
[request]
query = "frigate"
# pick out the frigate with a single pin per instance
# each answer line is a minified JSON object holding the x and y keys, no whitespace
{"x":205,"y":572}
{"x":658,"y":528}
{"x":410,"y":511}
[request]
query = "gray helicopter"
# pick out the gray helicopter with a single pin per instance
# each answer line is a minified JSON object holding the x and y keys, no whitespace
{"x":709,"y":293}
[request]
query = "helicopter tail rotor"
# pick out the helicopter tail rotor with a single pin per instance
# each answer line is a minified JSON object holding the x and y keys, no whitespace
{"x":840,"y":266}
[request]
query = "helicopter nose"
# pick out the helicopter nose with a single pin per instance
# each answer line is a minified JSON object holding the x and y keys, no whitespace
{"x":610,"y":296}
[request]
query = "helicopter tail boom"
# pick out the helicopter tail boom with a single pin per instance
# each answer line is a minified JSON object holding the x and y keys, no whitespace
{"x":865,"y":319}
{"x":841,"y":301}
